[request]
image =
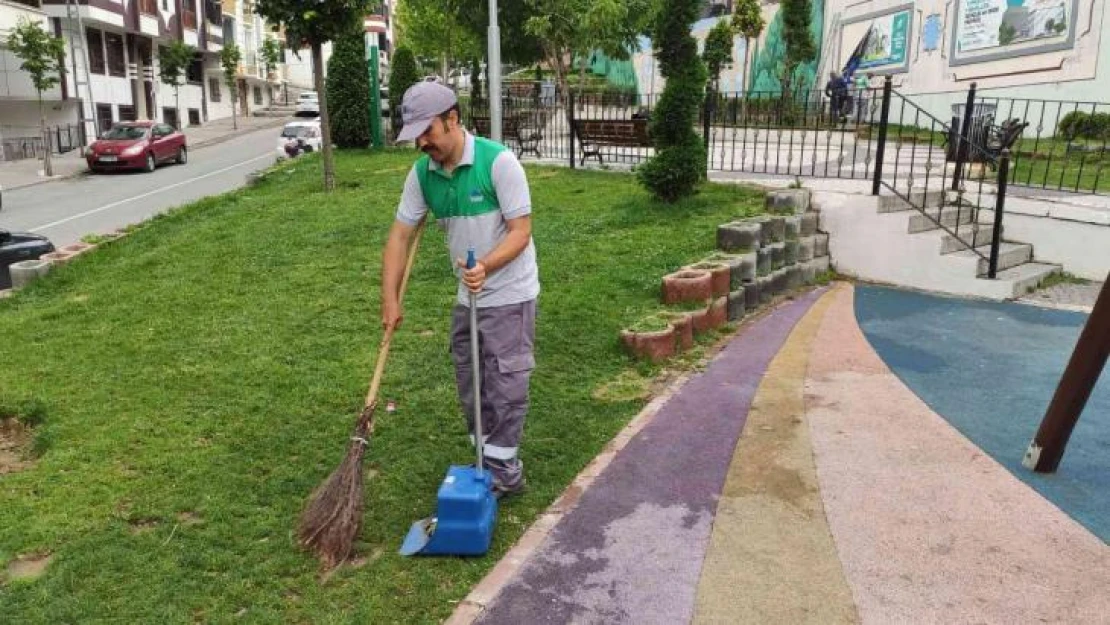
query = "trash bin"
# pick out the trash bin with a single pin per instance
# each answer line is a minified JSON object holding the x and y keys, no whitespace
{"x":982,"y":116}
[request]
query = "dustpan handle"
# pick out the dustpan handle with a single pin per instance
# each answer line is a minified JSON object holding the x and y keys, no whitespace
{"x":479,"y":443}
{"x":383,"y":350}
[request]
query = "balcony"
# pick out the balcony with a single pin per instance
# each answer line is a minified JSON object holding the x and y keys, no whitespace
{"x":189,"y":19}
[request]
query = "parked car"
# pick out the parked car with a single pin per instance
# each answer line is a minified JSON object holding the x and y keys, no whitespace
{"x":308,"y":105}
{"x":19,"y":246}
{"x":137,"y":145}
{"x":299,"y":137}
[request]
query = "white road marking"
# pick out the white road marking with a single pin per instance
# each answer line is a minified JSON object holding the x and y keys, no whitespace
{"x":147,"y":194}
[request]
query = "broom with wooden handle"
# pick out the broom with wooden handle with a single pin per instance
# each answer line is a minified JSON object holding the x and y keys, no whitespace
{"x":333,"y":516}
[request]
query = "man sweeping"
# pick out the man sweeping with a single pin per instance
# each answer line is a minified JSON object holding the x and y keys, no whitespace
{"x":478,"y":193}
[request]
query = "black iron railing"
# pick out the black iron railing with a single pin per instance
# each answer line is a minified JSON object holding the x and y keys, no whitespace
{"x":61,"y":139}
{"x":1064,"y":147}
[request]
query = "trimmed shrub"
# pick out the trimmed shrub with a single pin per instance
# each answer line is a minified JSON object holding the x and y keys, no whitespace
{"x":349,"y":92}
{"x":402,"y":75}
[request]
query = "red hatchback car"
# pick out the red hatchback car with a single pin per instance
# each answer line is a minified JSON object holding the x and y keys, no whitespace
{"x":137,"y":145}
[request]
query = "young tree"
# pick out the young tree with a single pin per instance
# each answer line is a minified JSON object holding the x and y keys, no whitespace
{"x":402,"y":75}
{"x":717,"y":53}
{"x":173,"y":60}
{"x":314,"y":24}
{"x":796,"y":34}
{"x":43,"y":57}
{"x":270,"y":54}
{"x":748,"y":21}
{"x":230,"y":57}
{"x":430,"y":28}
{"x":349,"y":91}
{"x":679,"y":162}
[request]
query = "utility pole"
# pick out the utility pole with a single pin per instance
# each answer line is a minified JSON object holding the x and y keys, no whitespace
{"x":1080,"y":376}
{"x":494,"y":54}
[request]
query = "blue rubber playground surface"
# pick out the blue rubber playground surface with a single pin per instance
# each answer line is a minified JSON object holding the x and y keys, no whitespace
{"x":991,"y":369}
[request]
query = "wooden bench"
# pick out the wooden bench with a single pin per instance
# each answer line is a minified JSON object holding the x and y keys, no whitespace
{"x":524,"y":129}
{"x":594,"y":133}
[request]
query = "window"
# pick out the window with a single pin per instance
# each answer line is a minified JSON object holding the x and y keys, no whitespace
{"x":170,"y":116}
{"x":214,"y":89}
{"x":148,"y":7}
{"x":96,"y":51}
{"x":103,"y":117}
{"x":127,"y":113}
{"x":258,"y":95}
{"x":194,"y":117}
{"x":194,"y":72}
{"x":165,"y":5}
{"x":113,"y":43}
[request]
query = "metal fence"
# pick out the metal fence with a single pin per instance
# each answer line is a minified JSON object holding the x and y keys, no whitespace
{"x":27,"y":143}
{"x":1064,"y":148}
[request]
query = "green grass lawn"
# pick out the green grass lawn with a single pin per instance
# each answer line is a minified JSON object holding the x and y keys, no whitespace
{"x":200,"y":377}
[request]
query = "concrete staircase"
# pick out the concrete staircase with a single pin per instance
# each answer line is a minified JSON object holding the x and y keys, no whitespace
{"x":887,"y":239}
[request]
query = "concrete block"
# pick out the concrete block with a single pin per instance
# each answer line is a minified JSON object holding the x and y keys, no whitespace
{"x":790,"y":252}
{"x":793,"y":277}
{"x":807,"y":224}
{"x":736,"y":304}
{"x":778,"y":255}
{"x":794,"y":201}
{"x":747,"y":266}
{"x":751,"y":295}
{"x":778,"y":281}
{"x":809,"y":272}
{"x":27,"y":271}
{"x":793,"y":225}
{"x":820,"y":244}
{"x":820,"y":265}
{"x":778,"y":229}
{"x":805,"y":249}
{"x":738,"y":236}
{"x":765,"y":292}
{"x":763,"y":262}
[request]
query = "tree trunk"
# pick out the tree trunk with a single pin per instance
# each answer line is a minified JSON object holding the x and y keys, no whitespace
{"x":234,"y":103}
{"x":47,"y":164}
{"x":177,"y":107}
{"x":744,"y":70}
{"x":325,"y":125}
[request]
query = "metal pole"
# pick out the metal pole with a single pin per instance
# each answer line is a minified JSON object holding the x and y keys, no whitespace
{"x":375,"y":93}
{"x":1084,"y":368}
{"x":963,"y":148}
{"x":494,"y":69}
{"x":999,"y":207}
{"x":880,"y":150}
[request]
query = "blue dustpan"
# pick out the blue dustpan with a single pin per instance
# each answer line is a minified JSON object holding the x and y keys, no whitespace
{"x":466,"y":509}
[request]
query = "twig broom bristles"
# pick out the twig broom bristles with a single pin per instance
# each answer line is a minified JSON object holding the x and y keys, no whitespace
{"x":333,"y":517}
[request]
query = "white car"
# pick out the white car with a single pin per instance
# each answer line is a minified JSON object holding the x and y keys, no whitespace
{"x":298,"y":138}
{"x":308,"y":105}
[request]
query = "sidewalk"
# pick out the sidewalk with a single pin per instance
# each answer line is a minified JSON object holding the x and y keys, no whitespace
{"x":840,"y":461}
{"x":27,"y":172}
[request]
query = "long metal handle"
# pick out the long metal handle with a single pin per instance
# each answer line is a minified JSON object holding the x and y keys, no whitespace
{"x":475,"y":366}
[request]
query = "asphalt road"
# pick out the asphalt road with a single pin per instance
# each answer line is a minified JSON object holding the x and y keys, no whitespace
{"x":69,"y":209}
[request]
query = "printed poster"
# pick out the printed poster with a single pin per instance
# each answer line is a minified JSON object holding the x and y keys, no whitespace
{"x":983,"y":24}
{"x":887,"y":45}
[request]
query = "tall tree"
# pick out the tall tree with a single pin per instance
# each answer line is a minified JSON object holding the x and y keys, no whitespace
{"x":717,"y":53}
{"x":402,"y":75}
{"x":43,"y":57}
{"x":800,"y":47}
{"x":230,"y":57}
{"x":748,"y":21}
{"x":679,"y":162}
{"x":173,"y":61}
{"x":430,"y":28}
{"x":314,"y":23}
{"x":349,"y":91}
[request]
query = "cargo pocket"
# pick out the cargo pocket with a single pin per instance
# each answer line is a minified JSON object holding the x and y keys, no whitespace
{"x":516,"y":363}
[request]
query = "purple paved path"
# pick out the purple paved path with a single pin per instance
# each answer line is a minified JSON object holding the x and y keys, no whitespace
{"x":632,"y":549}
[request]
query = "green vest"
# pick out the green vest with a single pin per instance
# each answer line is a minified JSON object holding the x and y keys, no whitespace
{"x":468,"y":191}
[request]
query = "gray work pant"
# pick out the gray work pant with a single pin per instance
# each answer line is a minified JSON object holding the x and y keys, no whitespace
{"x":505,"y":338}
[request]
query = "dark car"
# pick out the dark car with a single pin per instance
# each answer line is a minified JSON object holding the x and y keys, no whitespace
{"x":136,"y":145}
{"x":19,"y":246}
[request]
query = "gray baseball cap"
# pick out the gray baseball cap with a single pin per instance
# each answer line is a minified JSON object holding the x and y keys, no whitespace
{"x":422,"y":103}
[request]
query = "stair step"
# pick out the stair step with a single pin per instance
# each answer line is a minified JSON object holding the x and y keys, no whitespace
{"x":1009,"y":255}
{"x":976,"y":234}
{"x":917,"y":199}
{"x":1027,"y":276}
{"x":949,"y":216}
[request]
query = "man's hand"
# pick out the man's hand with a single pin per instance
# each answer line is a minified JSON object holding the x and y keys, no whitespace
{"x":391,"y":315}
{"x":474,"y":278}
